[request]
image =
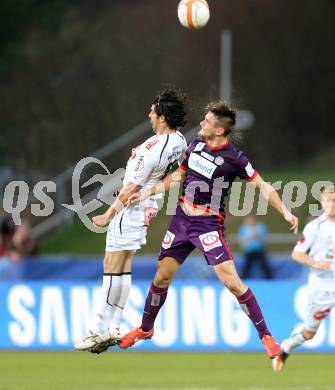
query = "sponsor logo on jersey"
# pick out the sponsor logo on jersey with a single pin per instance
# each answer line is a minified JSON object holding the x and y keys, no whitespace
{"x":175,"y":153}
{"x":249,"y":169}
{"x":331,"y":249}
{"x":219,"y":160}
{"x":302,"y":239}
{"x":168,"y":240}
{"x":201,"y":165}
{"x":322,"y":314}
{"x":199,"y":147}
{"x":133,"y":152}
{"x":208,"y":156}
{"x":210,"y":240}
{"x":139,"y":164}
{"x":150,"y":144}
{"x":149,"y":214}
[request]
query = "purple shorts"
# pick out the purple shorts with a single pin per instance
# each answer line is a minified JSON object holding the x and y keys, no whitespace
{"x":186,"y":233}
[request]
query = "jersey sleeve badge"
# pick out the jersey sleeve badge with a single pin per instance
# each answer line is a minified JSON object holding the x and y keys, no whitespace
{"x":150,"y":144}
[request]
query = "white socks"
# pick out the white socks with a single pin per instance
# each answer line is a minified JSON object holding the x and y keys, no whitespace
{"x":110,"y":289}
{"x":294,"y":340}
{"x":121,"y":302}
{"x":114,"y":294}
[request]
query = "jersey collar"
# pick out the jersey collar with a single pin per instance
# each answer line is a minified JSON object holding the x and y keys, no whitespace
{"x":217,"y":147}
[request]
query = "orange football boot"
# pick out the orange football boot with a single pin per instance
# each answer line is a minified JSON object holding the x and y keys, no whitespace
{"x":134,"y":336}
{"x":273,"y":349}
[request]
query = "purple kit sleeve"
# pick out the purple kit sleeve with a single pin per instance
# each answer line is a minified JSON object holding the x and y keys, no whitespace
{"x":184,"y":164}
{"x":244,"y":168}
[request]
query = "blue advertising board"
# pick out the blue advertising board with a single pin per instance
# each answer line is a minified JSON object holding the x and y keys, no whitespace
{"x":196,"y":316}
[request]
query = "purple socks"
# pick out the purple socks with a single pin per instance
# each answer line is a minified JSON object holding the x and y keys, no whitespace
{"x":155,"y":300}
{"x":250,"y":306}
{"x":157,"y":296}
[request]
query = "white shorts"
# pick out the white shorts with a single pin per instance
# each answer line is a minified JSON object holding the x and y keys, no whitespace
{"x":128,"y":229}
{"x":319,"y":306}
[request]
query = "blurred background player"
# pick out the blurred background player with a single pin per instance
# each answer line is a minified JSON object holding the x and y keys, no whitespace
{"x":252,"y":238}
{"x":16,"y":241}
{"x":315,"y":249}
{"x":149,"y":163}
{"x":210,"y":166}
{"x":7,"y":232}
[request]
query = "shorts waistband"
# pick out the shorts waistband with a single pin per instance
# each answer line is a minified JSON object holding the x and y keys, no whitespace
{"x":197,"y":210}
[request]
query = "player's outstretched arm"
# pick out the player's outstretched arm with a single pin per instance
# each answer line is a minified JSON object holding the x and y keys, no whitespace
{"x":304,"y":259}
{"x":122,"y":199}
{"x":175,"y":178}
{"x":272,"y":196}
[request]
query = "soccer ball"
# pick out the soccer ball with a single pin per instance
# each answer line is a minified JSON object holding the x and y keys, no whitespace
{"x":193,"y":14}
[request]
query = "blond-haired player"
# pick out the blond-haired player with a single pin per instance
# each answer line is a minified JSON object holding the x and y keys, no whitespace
{"x":315,"y":249}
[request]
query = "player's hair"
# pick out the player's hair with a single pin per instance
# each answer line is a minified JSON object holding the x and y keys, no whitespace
{"x":225,"y":115}
{"x":328,"y":190}
{"x":173,"y":104}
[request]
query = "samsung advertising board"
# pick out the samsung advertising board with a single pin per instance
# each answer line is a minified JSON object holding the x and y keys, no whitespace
{"x":196,"y":316}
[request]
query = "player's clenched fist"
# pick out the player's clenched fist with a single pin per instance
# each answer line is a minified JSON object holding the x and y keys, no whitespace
{"x":100,"y":220}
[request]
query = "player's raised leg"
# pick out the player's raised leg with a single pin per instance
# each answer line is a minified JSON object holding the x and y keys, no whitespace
{"x":228,"y":275}
{"x":297,"y":337}
{"x":315,"y":250}
{"x":167,"y":268}
{"x":315,"y":314}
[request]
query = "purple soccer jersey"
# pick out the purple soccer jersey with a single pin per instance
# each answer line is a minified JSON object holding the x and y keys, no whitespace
{"x":210,"y":174}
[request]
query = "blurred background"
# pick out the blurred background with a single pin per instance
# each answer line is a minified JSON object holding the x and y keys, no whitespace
{"x":77,"y":79}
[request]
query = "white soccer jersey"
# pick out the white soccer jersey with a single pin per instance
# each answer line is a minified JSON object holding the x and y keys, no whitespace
{"x":318,"y":241}
{"x":148,"y":164}
{"x":152,"y":160}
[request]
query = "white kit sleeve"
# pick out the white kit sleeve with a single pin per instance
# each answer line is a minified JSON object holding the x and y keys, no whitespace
{"x":147,"y":160}
{"x":307,"y":239}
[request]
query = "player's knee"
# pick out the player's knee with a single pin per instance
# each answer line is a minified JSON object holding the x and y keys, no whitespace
{"x":234,"y":285}
{"x":162,"y":278}
{"x":308,"y":334}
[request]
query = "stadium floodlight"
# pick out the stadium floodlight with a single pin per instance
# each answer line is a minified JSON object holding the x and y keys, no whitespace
{"x":245,"y":119}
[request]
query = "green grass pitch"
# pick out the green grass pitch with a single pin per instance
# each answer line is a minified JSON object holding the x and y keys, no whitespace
{"x":23,"y":370}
